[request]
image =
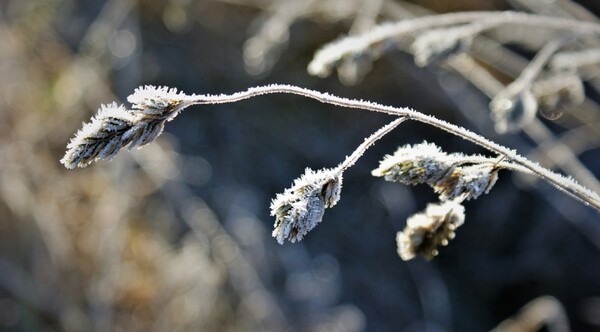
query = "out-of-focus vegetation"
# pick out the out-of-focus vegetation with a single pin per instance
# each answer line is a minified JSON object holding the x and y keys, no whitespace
{"x":177,"y":236}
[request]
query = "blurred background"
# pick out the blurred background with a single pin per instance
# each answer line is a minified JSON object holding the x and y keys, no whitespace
{"x":177,"y":236}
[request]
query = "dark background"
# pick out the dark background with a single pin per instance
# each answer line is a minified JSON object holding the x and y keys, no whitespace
{"x":176,"y":236}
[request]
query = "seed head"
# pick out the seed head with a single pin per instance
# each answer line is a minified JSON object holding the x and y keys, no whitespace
{"x":445,"y":172}
{"x":300,"y":208}
{"x":102,"y":138}
{"x":156,"y":101}
{"x":467,"y":183}
{"x":425,"y":231}
{"x":415,"y":164}
{"x":115,"y":127}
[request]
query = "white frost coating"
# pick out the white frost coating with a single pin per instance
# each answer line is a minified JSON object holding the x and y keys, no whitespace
{"x":415,"y":164}
{"x":158,"y":101}
{"x":300,"y":208}
{"x":465,"y":183}
{"x":115,"y":127}
{"x":454,"y":176}
{"x":152,"y":97}
{"x":101,"y":138}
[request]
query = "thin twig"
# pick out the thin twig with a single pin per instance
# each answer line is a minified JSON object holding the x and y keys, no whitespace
{"x":351,"y":159}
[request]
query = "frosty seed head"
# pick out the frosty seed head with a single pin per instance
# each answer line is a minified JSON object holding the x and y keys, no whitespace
{"x":158,"y":101}
{"x":300,"y":208}
{"x":465,"y":183}
{"x":115,"y":127}
{"x":102,"y":138}
{"x":415,"y":164}
{"x":452,"y":175}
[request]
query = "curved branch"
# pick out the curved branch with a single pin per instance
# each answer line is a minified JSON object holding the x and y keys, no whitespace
{"x":565,"y":184}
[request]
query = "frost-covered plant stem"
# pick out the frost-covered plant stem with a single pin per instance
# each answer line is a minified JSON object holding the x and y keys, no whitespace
{"x":326,"y":57}
{"x":116,"y":127}
{"x":565,"y":184}
{"x":351,"y":159}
